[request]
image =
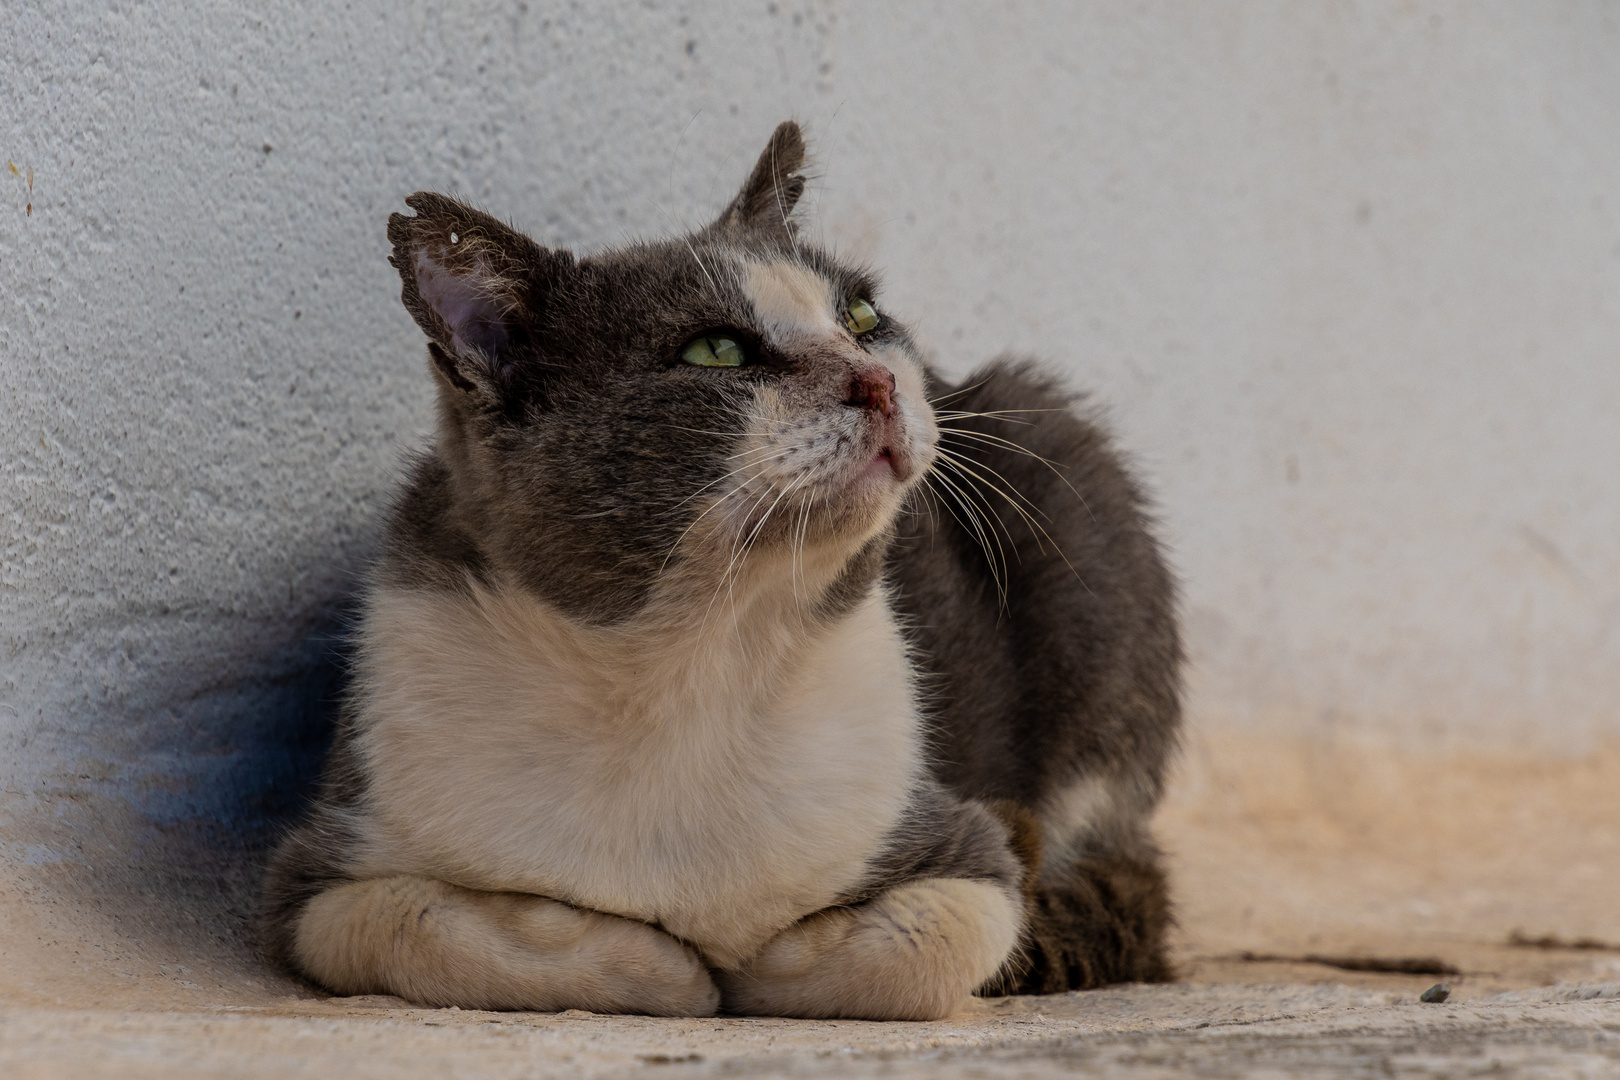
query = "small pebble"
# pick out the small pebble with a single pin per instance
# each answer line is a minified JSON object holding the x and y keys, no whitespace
{"x":1435,"y":994}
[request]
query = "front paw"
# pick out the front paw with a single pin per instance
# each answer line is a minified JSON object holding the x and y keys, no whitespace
{"x":914,"y":953}
{"x":638,"y":968}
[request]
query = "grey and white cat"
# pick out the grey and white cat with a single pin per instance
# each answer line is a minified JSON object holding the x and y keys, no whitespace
{"x":722,"y":657}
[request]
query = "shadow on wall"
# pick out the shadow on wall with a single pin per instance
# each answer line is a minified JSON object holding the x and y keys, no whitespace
{"x":244,"y":758}
{"x":216,"y":778}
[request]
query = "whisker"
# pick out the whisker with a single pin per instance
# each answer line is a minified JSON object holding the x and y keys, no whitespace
{"x":796,"y":558}
{"x":983,"y":503}
{"x":741,"y":413}
{"x":741,"y":543}
{"x":958,"y":393}
{"x":781,"y":453}
{"x":772,"y":509}
{"x":740,"y":551}
{"x":713,"y":284}
{"x":983,"y":513}
{"x":1008,"y":418}
{"x":985,"y":436}
{"x":967,"y":470}
{"x":975,"y":526}
{"x":736,"y":490}
{"x":970,"y":466}
{"x":959,"y":462}
{"x":727,"y":581}
{"x":1000,"y":412}
{"x":705,"y":431}
{"x":706,"y":511}
{"x":997,"y":440}
{"x":781,"y":206}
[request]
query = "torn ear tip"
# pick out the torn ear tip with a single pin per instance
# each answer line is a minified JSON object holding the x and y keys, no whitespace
{"x":426,"y":203}
{"x":400,"y":231}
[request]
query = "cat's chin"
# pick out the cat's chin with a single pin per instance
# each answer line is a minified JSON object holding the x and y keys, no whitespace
{"x":839,"y":521}
{"x":869,"y":501}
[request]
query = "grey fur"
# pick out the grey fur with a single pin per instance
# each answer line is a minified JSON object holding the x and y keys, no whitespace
{"x":1053,"y":661}
{"x":943,"y":835}
{"x":1073,"y":671}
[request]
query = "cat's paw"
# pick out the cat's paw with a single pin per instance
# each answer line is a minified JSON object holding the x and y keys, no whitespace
{"x":439,"y":944}
{"x":914,"y":953}
{"x":640,"y":969}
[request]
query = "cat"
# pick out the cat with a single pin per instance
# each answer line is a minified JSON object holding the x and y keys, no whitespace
{"x":724,"y":657}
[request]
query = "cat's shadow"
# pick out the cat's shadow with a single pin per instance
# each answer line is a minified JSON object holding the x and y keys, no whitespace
{"x":216,"y":779}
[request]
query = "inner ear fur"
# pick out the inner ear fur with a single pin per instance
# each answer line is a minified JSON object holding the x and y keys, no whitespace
{"x":768,"y":196}
{"x":472,"y":283}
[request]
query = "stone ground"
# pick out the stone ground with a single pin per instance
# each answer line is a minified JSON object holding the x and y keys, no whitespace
{"x":1305,"y":872}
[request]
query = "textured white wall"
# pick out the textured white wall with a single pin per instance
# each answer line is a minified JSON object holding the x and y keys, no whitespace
{"x":1347,"y":277}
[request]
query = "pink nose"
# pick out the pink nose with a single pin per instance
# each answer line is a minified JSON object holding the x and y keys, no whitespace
{"x":872,"y":388}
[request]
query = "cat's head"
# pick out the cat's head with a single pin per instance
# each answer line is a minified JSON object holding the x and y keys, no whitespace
{"x":730,"y":403}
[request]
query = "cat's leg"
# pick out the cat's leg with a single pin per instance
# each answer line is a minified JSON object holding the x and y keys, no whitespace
{"x":440,"y":944}
{"x":939,"y":914}
{"x":1098,"y":920}
{"x":1099,"y":906}
{"x":1058,"y":671}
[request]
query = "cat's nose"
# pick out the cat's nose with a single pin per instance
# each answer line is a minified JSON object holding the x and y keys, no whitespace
{"x":872,"y":387}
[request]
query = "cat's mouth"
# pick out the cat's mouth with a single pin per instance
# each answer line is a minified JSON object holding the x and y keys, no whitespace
{"x":889,"y":462}
{"x":887,"y":435}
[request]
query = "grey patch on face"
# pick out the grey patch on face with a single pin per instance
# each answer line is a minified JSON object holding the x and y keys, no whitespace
{"x":429,"y":547}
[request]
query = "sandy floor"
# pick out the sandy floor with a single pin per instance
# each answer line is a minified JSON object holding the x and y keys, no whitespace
{"x":1294,"y":864}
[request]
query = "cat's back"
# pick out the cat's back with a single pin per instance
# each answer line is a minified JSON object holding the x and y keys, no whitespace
{"x":1040,"y":606}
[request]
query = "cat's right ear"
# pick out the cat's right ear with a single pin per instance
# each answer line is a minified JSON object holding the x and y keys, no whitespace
{"x":766,"y":201}
{"x":474,"y":285}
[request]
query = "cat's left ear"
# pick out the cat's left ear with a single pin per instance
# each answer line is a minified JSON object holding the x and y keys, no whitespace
{"x":766,"y":201}
{"x":473,"y":284}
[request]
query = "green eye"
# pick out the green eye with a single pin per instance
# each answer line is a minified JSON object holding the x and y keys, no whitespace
{"x":860,"y":317}
{"x":713,"y":352}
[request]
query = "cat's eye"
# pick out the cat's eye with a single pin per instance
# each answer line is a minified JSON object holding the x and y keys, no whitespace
{"x":713,"y":351}
{"x":860,"y":316}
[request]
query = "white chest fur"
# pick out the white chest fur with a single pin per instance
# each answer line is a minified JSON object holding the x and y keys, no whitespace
{"x":720,"y":780}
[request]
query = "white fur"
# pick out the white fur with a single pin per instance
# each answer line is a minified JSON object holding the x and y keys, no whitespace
{"x":816,"y":451}
{"x":791,"y":302}
{"x":720,"y":779}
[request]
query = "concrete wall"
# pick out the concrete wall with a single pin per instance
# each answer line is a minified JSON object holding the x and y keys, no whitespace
{"x":1346,"y":276}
